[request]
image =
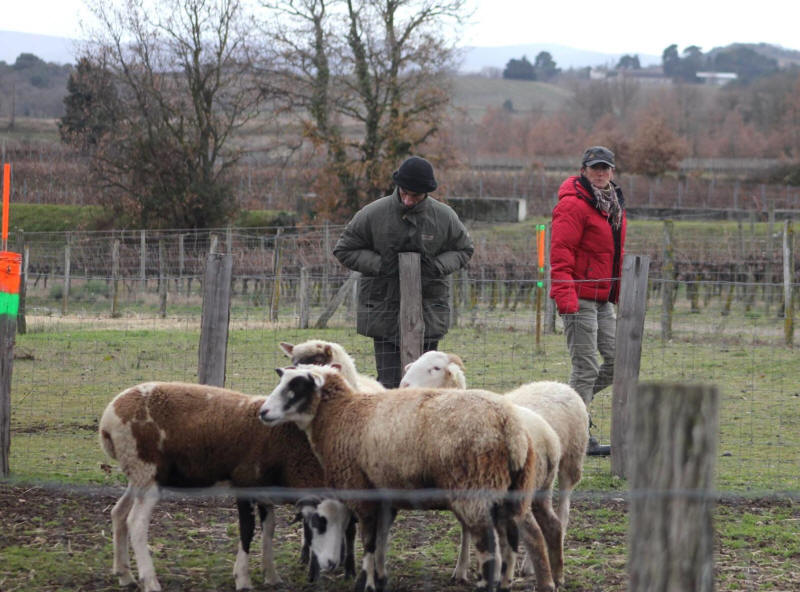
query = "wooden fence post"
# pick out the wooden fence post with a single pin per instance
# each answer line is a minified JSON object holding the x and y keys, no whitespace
{"x":143,"y":259}
{"x":668,"y":286}
{"x":630,"y":331}
{"x":276,"y":273}
{"x":162,"y":278}
{"x":674,"y":429}
{"x":115,"y":279}
{"x":305,"y":298}
{"x":412,"y":326}
{"x":24,"y":250}
{"x":348,"y":285}
{"x":181,"y":263}
{"x":10,"y":264}
{"x":550,"y":309}
{"x":67,"y":260}
{"x":213,"y":349}
{"x":788,"y":293}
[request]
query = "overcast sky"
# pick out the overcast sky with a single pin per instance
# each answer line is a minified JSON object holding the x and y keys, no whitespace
{"x":621,"y":26}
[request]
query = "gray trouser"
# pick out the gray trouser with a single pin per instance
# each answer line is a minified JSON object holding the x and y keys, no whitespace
{"x":591,"y":330}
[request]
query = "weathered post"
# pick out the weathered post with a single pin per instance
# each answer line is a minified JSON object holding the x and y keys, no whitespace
{"x":162,"y":278}
{"x":67,"y":261}
{"x":788,"y":293}
{"x":412,"y":326}
{"x":143,"y":259}
{"x":213,"y":349}
{"x":671,"y":537}
{"x":25,"y":251}
{"x":305,"y":298}
{"x":276,"y":272}
{"x":550,"y":309}
{"x":347,"y":286}
{"x":668,"y":274}
{"x":115,"y":279}
{"x":9,"y":307}
{"x":181,"y":263}
{"x":630,"y":332}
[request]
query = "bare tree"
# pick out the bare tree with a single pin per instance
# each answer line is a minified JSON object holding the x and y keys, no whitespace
{"x":182,"y":73}
{"x":370,"y":75}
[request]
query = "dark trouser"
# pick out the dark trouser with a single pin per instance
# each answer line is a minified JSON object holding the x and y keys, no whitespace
{"x":387,"y":360}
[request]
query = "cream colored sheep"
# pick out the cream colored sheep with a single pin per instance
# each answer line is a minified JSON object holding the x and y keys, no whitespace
{"x":434,"y":440}
{"x":315,"y":351}
{"x":556,"y":402}
{"x":438,"y":369}
{"x":169,"y":434}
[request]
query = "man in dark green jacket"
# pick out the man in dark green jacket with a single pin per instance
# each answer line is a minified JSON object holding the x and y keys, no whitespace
{"x":407,"y":220}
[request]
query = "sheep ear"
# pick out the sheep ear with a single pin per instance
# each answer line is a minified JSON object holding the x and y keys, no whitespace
{"x":286,"y":348}
{"x":279,"y":371}
{"x":318,"y":379}
{"x":456,"y":360}
{"x":407,"y":367}
{"x":336,"y":365}
{"x":328,"y":352}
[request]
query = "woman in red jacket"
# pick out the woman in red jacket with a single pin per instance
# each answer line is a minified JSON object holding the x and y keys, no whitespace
{"x":586,"y":249}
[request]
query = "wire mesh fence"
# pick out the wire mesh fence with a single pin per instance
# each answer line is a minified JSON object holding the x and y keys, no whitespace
{"x":726,"y":328}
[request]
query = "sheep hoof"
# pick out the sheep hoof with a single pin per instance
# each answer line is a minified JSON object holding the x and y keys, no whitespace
{"x":381,"y":584}
{"x":361,"y":582}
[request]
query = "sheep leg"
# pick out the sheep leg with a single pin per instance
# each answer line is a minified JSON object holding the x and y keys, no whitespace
{"x":508,"y":541}
{"x":551,"y":530}
{"x":138,"y":524}
{"x":267,"y":553}
{"x":368,"y":517}
{"x":247,"y":527}
{"x":386,"y":517}
{"x":485,"y":540}
{"x":350,"y":548}
{"x":461,"y":571}
{"x":119,"y":525}
{"x":535,"y":545}
{"x":562,"y":510}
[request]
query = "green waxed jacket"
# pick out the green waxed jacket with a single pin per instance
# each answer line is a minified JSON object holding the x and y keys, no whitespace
{"x":370,"y":245}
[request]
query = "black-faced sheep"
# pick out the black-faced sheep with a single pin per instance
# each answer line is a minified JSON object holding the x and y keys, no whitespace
{"x":453,"y":443}
{"x":167,"y":434}
{"x":558,"y":403}
{"x":315,"y":351}
{"x":329,"y":529}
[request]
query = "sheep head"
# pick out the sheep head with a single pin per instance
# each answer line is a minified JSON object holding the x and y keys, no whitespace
{"x":435,"y":369}
{"x":299,"y":392}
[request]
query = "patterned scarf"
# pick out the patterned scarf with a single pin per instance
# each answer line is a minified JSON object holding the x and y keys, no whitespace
{"x":607,"y":202}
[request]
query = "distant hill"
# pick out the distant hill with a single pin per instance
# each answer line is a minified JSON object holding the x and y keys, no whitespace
{"x":476,"y":59}
{"x":58,"y":50}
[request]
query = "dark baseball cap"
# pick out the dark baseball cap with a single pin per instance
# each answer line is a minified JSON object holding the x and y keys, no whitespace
{"x":598,"y":155}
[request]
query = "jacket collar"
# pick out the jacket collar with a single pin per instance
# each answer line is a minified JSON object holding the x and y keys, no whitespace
{"x":416,"y":209}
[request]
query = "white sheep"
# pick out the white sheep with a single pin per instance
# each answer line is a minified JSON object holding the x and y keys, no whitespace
{"x":328,"y":534}
{"x":440,"y":370}
{"x":558,"y":403}
{"x":316,"y":351}
{"x":446,"y":442}
{"x":168,"y":434}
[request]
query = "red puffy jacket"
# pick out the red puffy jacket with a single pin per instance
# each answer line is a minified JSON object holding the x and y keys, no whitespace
{"x":585,"y":251}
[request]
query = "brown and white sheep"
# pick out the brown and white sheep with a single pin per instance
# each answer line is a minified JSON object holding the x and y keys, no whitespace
{"x":316,"y":351}
{"x":169,"y":434}
{"x":453,"y":443}
{"x":558,"y":403}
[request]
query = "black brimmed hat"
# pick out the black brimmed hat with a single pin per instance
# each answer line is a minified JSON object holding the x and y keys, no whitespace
{"x":415,"y":175}
{"x":598,"y":155}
